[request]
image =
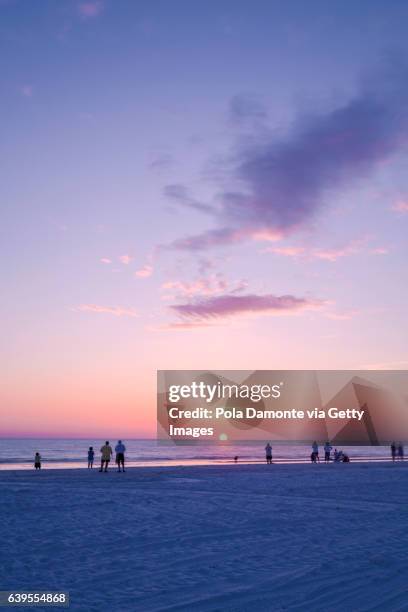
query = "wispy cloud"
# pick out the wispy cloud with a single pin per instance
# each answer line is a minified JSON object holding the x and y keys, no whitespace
{"x":161,"y":162}
{"x":225,"y":306}
{"x":224,"y":236}
{"x":209,"y":239}
{"x":117,"y":311}
{"x":210,"y":285}
{"x":265,"y":235}
{"x":380,"y":251}
{"x":91,"y":9}
{"x":342,"y":316}
{"x":179,"y":194}
{"x":335,"y":254}
{"x":144,"y":272}
{"x":288,"y":251}
{"x":106,"y":260}
{"x":244,"y":108}
{"x":125,"y":259}
{"x":286,"y":181}
{"x":400,"y":207}
{"x":183,"y":326}
{"x":325,"y":254}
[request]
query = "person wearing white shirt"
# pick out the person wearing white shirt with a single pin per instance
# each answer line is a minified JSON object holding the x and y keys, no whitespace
{"x":120,"y":449}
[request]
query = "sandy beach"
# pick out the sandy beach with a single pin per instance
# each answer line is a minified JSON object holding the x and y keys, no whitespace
{"x":210,"y":538}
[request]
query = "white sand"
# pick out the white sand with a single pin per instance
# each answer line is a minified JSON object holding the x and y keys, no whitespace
{"x":221,"y":538}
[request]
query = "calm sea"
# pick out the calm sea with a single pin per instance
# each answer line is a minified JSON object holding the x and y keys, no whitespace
{"x":72,"y":453}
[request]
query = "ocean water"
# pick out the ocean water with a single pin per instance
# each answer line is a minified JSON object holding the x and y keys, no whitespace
{"x":72,"y":453}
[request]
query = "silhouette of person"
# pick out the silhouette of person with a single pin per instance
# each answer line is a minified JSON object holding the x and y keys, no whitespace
{"x":339,"y":457}
{"x":268,"y":452}
{"x":236,"y":458}
{"x":107,"y":453}
{"x":120,"y":449}
{"x":315,"y":449}
{"x":91,"y":455}
{"x":37,"y":461}
{"x":400,"y":452}
{"x":393,"y":450}
{"x":327,"y":450}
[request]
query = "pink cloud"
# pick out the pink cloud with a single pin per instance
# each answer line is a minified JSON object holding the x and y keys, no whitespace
{"x":106,"y":260}
{"x":342,"y":316}
{"x":144,"y":272}
{"x":285,"y":251}
{"x":184,"y":326}
{"x":91,"y":9}
{"x":334,"y":254}
{"x":225,"y":236}
{"x":266,"y":235}
{"x":325,"y":254}
{"x":400,"y":207}
{"x":125,"y":259}
{"x":380,"y":251}
{"x":238,"y":305}
{"x":117,"y":311}
{"x":211,"y":285}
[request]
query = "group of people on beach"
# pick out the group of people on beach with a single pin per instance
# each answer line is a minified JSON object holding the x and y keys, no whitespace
{"x":339,"y":456}
{"x":397,"y":452}
{"x":106,"y":456}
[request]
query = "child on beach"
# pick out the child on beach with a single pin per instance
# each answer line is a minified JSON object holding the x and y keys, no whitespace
{"x":91,"y":455}
{"x":268,"y":451}
{"x":37,"y":461}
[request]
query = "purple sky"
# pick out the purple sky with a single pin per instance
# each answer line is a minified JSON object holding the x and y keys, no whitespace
{"x":196,"y":186}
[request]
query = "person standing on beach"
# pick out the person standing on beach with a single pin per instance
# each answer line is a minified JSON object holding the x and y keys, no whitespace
{"x":91,"y":455}
{"x":327,"y":450}
{"x":268,"y":451}
{"x":37,"y":461}
{"x":400,"y":452}
{"x":107,"y":453}
{"x":393,"y":450}
{"x":315,"y":450}
{"x":120,"y":455}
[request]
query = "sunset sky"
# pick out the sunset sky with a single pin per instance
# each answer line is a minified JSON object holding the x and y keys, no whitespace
{"x":217,"y":184}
